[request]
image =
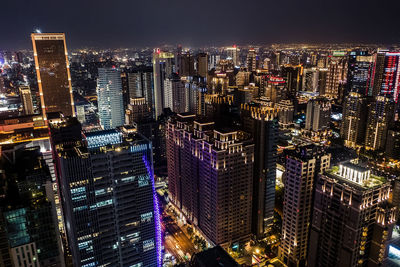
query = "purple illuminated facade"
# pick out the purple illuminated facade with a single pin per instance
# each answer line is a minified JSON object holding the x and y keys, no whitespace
{"x":149,"y":168}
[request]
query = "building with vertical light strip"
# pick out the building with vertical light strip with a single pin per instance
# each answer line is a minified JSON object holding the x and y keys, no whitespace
{"x":53,"y":75}
{"x":108,"y":196}
{"x":385,"y":78}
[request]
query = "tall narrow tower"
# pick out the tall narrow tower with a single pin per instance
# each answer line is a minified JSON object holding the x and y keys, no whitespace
{"x":53,"y":76}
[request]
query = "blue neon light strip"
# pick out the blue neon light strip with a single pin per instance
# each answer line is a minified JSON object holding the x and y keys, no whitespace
{"x":156,"y":212}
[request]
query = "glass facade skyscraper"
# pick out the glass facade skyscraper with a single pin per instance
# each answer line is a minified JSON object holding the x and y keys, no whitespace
{"x":109,"y":201}
{"x":110,"y":100}
{"x":53,"y":76}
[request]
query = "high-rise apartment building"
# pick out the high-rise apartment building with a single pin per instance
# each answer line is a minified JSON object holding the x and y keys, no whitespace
{"x":52,"y":71}
{"x":233,"y":53}
{"x":260,"y":121}
{"x":109,"y":97}
{"x":352,"y":221}
{"x":336,"y":77}
{"x":137,"y":111}
{"x":354,"y":120}
{"x":310,"y":80}
{"x":251,"y":60}
{"x":360,"y":66}
{"x":162,"y":69}
{"x":302,"y":167}
{"x":176,"y":95}
{"x":380,"y":117}
{"x":202,"y":64}
{"x":26,"y":99}
{"x":196,"y":87}
{"x":108,"y":196}
{"x":318,"y":114}
{"x":285,"y":112}
{"x":210,"y":174}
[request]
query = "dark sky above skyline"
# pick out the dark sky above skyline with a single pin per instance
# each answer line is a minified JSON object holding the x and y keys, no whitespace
{"x":133,"y":23}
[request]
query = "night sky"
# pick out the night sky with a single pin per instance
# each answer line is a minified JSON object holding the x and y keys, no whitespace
{"x":133,"y":23}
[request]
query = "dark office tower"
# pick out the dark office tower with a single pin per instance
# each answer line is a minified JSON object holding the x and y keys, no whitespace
{"x":285,"y":112}
{"x":322,"y":75}
{"x":176,"y":96}
{"x":354,"y":120}
{"x":109,"y":98}
{"x":186,"y":65}
{"x":26,"y":99}
{"x":302,"y":167}
{"x":28,"y":219}
{"x":108,"y":197}
{"x":360,"y":67}
{"x":137,"y":111}
{"x":251,"y":60}
{"x":336,"y":77}
{"x":210,"y":173}
{"x":393,"y":141}
{"x":52,"y":71}
{"x":293,"y":75}
{"x":380,"y":117}
{"x":352,"y":221}
{"x":318,"y":114}
{"x":260,"y":121}
{"x":140,"y":84}
{"x":162,"y":69}
{"x":202,"y":64}
{"x":386,"y":75}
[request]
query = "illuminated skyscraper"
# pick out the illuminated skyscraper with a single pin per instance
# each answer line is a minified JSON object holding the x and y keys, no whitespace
{"x":109,"y":95}
{"x":176,"y":96}
{"x":210,"y":174}
{"x":359,"y":72}
{"x":52,"y":71}
{"x":385,"y":78}
{"x":302,"y":167}
{"x":108,"y":196}
{"x":354,"y":120}
{"x":162,"y":68}
{"x":310,"y":80}
{"x":233,"y":53}
{"x":336,"y":77}
{"x":286,"y":112}
{"x":318,"y":114}
{"x":26,"y":99}
{"x":251,"y":60}
{"x":380,"y":117}
{"x":352,"y":221}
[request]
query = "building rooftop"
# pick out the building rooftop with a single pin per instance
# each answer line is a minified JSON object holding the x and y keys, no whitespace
{"x":355,"y":175}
